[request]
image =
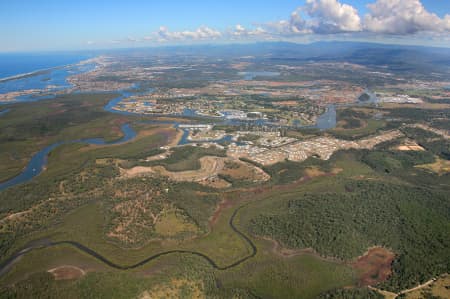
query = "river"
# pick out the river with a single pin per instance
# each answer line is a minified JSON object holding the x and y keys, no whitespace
{"x":39,"y":160}
{"x":328,"y":119}
{"x":4,"y":111}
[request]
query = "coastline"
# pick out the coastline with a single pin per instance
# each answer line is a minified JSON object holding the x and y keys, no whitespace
{"x":45,"y":70}
{"x":12,"y":96}
{"x":24,"y":75}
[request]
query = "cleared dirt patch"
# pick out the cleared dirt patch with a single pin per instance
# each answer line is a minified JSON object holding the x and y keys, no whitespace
{"x":159,"y":156}
{"x":210,"y":166}
{"x":281,"y":251}
{"x":136,"y":171}
{"x":439,"y":288}
{"x":410,"y":147}
{"x":286,"y":103}
{"x":374,"y":266}
{"x":239,"y":170}
{"x":215,"y":182}
{"x":314,"y":172}
{"x":223,"y":205}
{"x":439,"y":167}
{"x":67,"y":272}
{"x":177,"y":288}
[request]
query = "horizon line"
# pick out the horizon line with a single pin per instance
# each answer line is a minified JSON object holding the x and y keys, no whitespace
{"x":222,"y":44}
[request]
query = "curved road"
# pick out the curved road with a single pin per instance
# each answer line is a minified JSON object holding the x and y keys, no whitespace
{"x":6,"y":265}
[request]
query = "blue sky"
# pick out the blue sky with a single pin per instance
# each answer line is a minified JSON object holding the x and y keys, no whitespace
{"x":52,"y":25}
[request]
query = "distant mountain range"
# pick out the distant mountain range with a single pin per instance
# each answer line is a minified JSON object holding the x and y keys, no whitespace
{"x":400,"y":58}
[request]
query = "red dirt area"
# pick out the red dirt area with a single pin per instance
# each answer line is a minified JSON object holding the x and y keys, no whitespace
{"x":251,"y":192}
{"x":223,"y":205}
{"x":374,"y":266}
{"x":66,"y":272}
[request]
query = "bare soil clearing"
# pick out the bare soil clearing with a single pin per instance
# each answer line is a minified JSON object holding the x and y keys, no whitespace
{"x":240,"y":170}
{"x":210,"y":166}
{"x":281,"y":251}
{"x":410,"y":148}
{"x":374,"y":266}
{"x":67,"y":272}
{"x":177,"y":288}
{"x":436,"y":287}
{"x":439,"y":167}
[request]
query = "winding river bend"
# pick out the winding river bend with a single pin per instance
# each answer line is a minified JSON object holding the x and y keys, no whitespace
{"x":45,"y":243}
{"x":3,"y":112}
{"x":39,"y":160}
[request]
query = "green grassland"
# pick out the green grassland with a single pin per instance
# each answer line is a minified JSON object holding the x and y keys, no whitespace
{"x":369,"y":127}
{"x":86,"y":224}
{"x":271,"y":276}
{"x":356,"y":123}
{"x":314,"y":275}
{"x":377,"y":197}
{"x":31,"y":126}
{"x":275,"y":276}
{"x":370,"y":216}
{"x":65,"y":163}
{"x":371,"y":209}
{"x":379,"y":220}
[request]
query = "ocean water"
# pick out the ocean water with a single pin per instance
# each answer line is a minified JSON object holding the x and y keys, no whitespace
{"x":12,"y":64}
{"x":58,"y":67}
{"x":55,"y":79}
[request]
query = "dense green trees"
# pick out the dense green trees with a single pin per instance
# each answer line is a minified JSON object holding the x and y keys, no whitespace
{"x":351,"y":294}
{"x":415,"y":115}
{"x":389,"y":161}
{"x":414,"y":222}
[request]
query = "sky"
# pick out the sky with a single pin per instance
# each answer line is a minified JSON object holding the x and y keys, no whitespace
{"x":29,"y":25}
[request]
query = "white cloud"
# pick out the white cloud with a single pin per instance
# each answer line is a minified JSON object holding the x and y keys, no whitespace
{"x":403,"y":17}
{"x":296,"y":24}
{"x":132,"y":39}
{"x":241,"y":31}
{"x":278,"y":28}
{"x":332,"y":16}
{"x":318,"y":16}
{"x":202,"y":33}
